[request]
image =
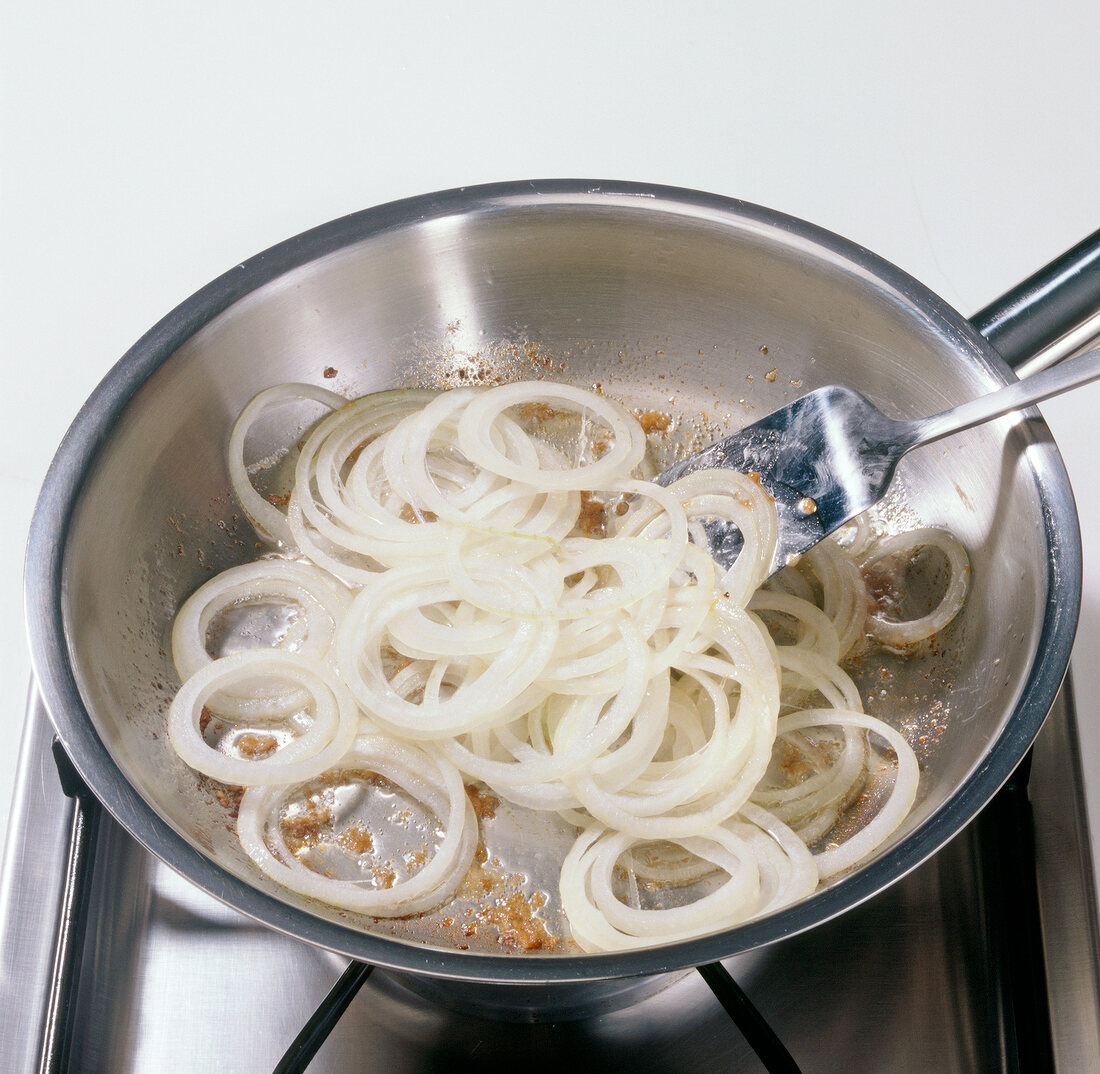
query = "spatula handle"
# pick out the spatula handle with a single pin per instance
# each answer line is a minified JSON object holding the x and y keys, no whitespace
{"x":1050,"y":382}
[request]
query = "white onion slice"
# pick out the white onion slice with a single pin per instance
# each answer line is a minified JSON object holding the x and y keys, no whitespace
{"x":320,"y":601}
{"x":897,"y":633}
{"x":765,"y":866}
{"x":427,"y":778}
{"x":487,"y":691}
{"x":268,"y":521}
{"x":477,"y":443}
{"x":893,"y":811}
{"x":335,"y":719}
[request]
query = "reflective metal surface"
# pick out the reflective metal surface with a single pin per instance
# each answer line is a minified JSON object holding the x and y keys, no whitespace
{"x":910,"y":981}
{"x":1058,"y":299}
{"x":676,"y":301}
{"x":32,"y":885}
{"x":830,"y":455}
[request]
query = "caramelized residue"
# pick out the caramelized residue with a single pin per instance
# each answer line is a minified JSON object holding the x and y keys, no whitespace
{"x":514,"y":918}
{"x":356,"y":840}
{"x":338,"y":776}
{"x":530,"y":350}
{"x":394,"y":661}
{"x":485,"y":804}
{"x":792,"y":762}
{"x":882,"y":589}
{"x":385,"y":876}
{"x":353,"y":455}
{"x":653,"y":421}
{"x":229,"y":798}
{"x":305,"y":830}
{"x":408,"y":513}
{"x":503,"y":909}
{"x":252,"y":745}
{"x":538,"y":411}
{"x":592,"y":521}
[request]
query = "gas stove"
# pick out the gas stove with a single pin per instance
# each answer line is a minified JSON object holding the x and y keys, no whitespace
{"x":984,"y":958}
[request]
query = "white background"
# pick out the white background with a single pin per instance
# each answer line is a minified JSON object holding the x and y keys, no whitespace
{"x":146,"y":148}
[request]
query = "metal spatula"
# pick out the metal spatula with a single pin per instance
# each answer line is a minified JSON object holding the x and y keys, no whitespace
{"x":830,"y":454}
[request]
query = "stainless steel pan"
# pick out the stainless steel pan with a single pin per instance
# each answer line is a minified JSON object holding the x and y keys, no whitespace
{"x":669,"y":299}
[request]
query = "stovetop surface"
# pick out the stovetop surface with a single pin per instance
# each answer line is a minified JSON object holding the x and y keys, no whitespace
{"x":920,"y":978}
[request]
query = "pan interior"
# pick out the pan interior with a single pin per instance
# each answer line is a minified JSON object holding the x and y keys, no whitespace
{"x":712,"y":317}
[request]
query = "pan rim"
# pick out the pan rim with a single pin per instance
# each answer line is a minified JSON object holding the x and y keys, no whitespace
{"x":91,"y":429}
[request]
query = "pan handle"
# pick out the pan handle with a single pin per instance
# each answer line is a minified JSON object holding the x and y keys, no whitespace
{"x":69,"y":949}
{"x":1052,"y":314}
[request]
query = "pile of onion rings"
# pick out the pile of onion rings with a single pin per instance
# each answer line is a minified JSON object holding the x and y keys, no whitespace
{"x":454,"y":616}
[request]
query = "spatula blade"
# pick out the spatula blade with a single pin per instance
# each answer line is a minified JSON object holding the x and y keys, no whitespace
{"x":824,"y":458}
